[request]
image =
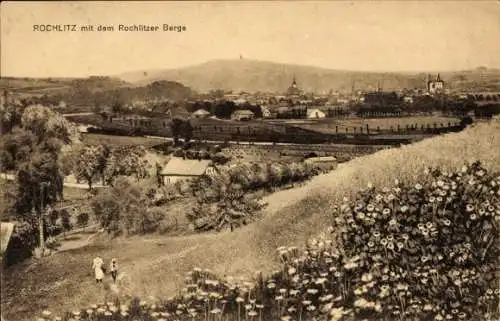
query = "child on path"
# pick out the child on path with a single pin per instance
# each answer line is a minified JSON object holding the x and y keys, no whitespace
{"x":113,"y":267}
{"x":98,"y":270}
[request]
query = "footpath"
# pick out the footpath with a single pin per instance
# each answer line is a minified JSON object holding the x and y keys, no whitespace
{"x":11,"y":177}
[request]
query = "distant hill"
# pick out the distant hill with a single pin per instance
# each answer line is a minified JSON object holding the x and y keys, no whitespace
{"x":93,"y":90}
{"x":254,"y":75}
{"x":59,"y":86}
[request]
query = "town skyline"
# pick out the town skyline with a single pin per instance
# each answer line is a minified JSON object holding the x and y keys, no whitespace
{"x":408,"y":37}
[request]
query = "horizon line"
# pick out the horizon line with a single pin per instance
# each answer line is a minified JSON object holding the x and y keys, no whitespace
{"x":159,"y":69}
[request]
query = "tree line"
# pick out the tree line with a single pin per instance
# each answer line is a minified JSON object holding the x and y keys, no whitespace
{"x":106,"y":163}
{"x":32,"y":139}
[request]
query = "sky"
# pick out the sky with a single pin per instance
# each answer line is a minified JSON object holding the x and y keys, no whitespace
{"x":351,"y":35}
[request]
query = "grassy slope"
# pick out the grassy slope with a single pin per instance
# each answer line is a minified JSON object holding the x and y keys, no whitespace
{"x":157,"y":264}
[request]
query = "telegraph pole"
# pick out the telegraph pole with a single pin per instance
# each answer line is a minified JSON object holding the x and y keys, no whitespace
{"x":40,"y":219}
{"x":41,"y":214}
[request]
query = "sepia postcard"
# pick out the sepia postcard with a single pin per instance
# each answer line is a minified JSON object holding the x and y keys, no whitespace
{"x":250,"y":160}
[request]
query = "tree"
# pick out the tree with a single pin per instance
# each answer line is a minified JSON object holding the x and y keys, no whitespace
{"x":7,"y":199}
{"x":36,"y":159}
{"x":65,"y":221}
{"x":10,"y":115}
{"x":82,"y":219}
{"x":125,"y":208}
{"x":45,"y":124}
{"x":88,"y":164}
{"x":126,"y":161}
{"x":187,"y":131}
{"x":117,"y":107}
{"x":175,"y":127}
{"x":39,"y":183}
{"x":224,"y":109}
{"x":181,"y":129}
{"x":107,"y":210}
{"x":103,"y":154}
{"x":16,"y":147}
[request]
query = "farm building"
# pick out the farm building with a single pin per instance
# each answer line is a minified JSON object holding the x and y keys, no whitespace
{"x":266,"y":113}
{"x":315,"y":113}
{"x":326,"y":162}
{"x":244,"y":114}
{"x":240,"y":101}
{"x":201,"y":113}
{"x":178,"y":169}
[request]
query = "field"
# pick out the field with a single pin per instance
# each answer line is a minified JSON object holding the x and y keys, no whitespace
{"x":96,"y":139}
{"x":157,"y":264}
{"x":328,"y":125}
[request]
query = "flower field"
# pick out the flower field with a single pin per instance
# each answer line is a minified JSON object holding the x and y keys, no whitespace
{"x":425,"y":250}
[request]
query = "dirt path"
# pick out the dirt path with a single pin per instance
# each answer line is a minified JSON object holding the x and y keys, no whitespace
{"x":11,"y":177}
{"x":278,"y":200}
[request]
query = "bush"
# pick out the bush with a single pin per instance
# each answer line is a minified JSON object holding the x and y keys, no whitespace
{"x":23,"y":241}
{"x":126,"y":208}
{"x":82,"y":219}
{"x":427,"y":250}
{"x":65,"y":220}
{"x":220,"y":158}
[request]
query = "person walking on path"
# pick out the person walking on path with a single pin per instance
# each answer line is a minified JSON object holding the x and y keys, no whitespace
{"x":113,"y":267}
{"x":97,"y":265}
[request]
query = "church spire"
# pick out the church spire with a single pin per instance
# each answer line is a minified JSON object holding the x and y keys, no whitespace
{"x":438,"y":78}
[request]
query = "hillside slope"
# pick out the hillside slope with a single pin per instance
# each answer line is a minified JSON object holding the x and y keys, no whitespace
{"x":255,"y":75}
{"x":157,"y":265}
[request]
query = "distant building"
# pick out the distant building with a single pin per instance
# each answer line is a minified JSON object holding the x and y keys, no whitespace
{"x":408,"y":99}
{"x":242,"y":115}
{"x":315,"y":113}
{"x":435,"y":86}
{"x":178,"y":169}
{"x":201,"y":113}
{"x":266,"y":113}
{"x":240,"y":101}
{"x":293,"y":90}
{"x":325,"y":162}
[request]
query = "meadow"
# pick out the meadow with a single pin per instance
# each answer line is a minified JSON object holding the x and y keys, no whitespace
{"x":157,"y":265}
{"x":386,"y":123}
{"x":112,"y":140}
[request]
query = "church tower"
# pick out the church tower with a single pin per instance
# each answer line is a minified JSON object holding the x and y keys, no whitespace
{"x":435,"y":86}
{"x":294,"y":89}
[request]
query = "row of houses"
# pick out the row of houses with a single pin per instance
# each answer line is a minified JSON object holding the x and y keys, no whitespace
{"x":281,"y":112}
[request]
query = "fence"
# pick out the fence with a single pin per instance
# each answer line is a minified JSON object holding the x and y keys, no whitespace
{"x":428,"y":128}
{"x":272,"y":132}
